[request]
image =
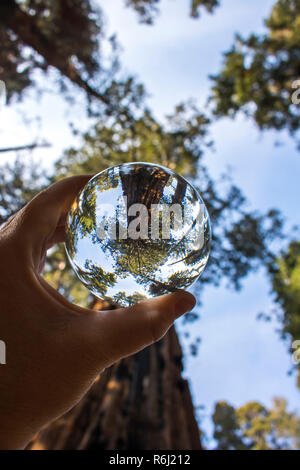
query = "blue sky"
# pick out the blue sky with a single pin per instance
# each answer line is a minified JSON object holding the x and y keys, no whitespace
{"x":240,"y":359}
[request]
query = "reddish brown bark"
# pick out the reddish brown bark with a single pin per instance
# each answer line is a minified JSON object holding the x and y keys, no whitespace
{"x":142,"y":402}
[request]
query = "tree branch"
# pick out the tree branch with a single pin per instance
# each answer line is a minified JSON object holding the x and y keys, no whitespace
{"x":25,"y":27}
{"x":24,"y":147}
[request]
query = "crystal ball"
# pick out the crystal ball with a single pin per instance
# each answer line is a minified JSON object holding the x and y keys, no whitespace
{"x":135,"y":231}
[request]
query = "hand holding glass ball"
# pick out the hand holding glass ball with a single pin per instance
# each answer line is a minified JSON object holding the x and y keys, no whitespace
{"x":78,"y":343}
{"x":136,"y":231}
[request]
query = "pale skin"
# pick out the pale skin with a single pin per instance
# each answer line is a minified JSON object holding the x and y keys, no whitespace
{"x":55,"y":349}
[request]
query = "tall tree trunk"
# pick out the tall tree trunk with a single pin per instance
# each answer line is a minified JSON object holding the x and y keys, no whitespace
{"x":142,"y":402}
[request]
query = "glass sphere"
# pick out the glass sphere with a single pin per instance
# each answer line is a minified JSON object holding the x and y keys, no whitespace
{"x":136,"y":231}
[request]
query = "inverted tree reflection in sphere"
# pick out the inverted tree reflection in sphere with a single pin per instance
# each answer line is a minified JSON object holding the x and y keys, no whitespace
{"x":136,"y":231}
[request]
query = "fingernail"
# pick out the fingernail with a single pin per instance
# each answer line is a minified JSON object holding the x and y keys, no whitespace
{"x":184,"y":305}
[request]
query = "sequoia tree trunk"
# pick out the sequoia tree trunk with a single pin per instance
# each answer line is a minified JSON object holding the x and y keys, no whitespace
{"x":140,"y":403}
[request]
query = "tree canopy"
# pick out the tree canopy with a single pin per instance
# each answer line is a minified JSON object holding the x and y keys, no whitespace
{"x":148,"y":9}
{"x":255,"y":427}
{"x":259,"y":73}
{"x":285,"y":277}
{"x":42,"y":36}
